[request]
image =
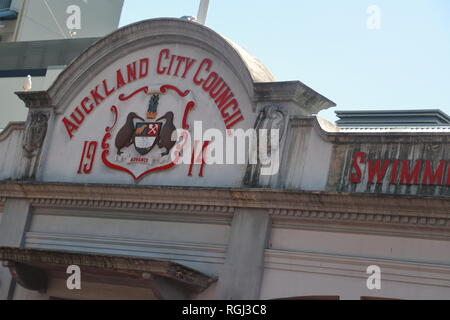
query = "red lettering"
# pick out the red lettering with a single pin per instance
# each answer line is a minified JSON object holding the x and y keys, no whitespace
{"x":131,"y":71}
{"x":202,"y":167}
{"x":394,"y":172}
{"x":205,"y":63}
{"x":232,"y":104}
{"x":212,"y":78}
{"x":448,"y":175}
{"x":70,"y":127}
{"x":165,"y":52}
{"x":408,"y":177}
{"x":82,"y":157}
{"x":171,"y":64}
{"x":79,"y":120}
{"x":88,"y":154}
{"x":201,"y":159}
{"x":213,"y":94}
{"x":231,"y":125}
{"x":224,"y":98}
{"x":107,"y":91}
{"x":96,"y":96}
{"x":234,"y":115}
{"x":375,"y":170}
{"x":143,"y":67}
{"x":180,"y":60}
{"x":83,"y":105}
{"x":358,"y":157}
{"x":433,"y":178}
{"x":189,"y":64}
{"x":120,"y":81}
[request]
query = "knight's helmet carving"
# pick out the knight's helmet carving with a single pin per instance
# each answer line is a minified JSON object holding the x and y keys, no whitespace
{"x":152,"y":112}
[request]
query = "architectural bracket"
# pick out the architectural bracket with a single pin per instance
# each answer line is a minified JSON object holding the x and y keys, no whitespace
{"x":32,"y":268}
{"x":29,"y":277}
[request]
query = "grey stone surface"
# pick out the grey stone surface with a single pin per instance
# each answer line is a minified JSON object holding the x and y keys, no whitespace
{"x":241,"y":275}
{"x":12,"y":229}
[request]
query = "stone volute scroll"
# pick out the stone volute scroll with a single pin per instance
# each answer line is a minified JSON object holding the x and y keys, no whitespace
{"x":35,"y":132}
{"x":270,"y":124}
{"x":36,"y":127}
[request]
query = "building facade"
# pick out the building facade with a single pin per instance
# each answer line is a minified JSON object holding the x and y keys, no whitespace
{"x":90,"y":180}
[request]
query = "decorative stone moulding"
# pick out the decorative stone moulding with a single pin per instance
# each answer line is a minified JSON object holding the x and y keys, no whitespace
{"x":106,"y":204}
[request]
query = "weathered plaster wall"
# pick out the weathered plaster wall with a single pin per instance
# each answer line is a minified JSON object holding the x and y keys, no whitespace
{"x":11,"y":153}
{"x":61,"y":149}
{"x":194,"y":241}
{"x":362,"y":245}
{"x":306,"y":158}
{"x":293,"y":275}
{"x":395,"y":147}
{"x":304,"y":262}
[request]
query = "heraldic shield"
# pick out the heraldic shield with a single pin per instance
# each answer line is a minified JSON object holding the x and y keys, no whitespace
{"x":146,"y":136}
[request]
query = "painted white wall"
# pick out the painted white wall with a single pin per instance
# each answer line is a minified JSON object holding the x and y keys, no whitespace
{"x":11,"y":155}
{"x":362,"y":245}
{"x":98,"y":18}
{"x":307,"y":160}
{"x":62,"y":158}
{"x":286,"y":284}
{"x":318,"y":263}
{"x":196,"y":244}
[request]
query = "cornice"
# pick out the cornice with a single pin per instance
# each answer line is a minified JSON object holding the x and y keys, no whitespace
{"x":10,"y":128}
{"x":132,"y":206}
{"x":370,"y":138}
{"x":294,"y":91}
{"x":142,"y":35}
{"x":131,"y":266}
{"x":35,"y":99}
{"x":341,"y":220}
{"x":300,"y":205}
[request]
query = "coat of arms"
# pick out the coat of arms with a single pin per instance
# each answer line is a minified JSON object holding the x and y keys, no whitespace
{"x":144,"y":141}
{"x":149,"y":133}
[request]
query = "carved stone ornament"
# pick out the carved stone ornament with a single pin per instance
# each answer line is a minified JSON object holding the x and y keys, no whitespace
{"x":35,"y":132}
{"x":271,"y":117}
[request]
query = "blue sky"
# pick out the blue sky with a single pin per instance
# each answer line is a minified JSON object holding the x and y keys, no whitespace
{"x":326,"y":44}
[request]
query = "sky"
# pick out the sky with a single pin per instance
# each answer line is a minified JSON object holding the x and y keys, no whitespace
{"x":401,"y":62}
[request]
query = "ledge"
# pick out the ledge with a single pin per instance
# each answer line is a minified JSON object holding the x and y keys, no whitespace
{"x":138,"y":197}
{"x":37,"y":261}
{"x":10,"y":128}
{"x":293,"y":91}
{"x":35,"y":99}
{"x":372,"y":137}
